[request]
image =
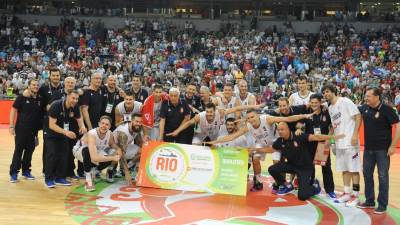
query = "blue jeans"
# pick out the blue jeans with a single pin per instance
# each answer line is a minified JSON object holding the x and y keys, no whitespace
{"x":379,"y":158}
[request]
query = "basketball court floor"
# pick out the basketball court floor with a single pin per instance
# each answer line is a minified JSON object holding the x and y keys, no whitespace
{"x":30,"y":202}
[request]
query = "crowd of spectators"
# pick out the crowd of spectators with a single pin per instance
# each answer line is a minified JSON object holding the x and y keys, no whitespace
{"x":162,"y":53}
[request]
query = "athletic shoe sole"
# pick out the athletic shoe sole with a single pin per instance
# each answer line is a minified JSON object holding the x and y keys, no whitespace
{"x":379,"y":213}
{"x":51,"y":186}
{"x":282,"y":194}
{"x":59,"y":184}
{"x":13,"y":181}
{"x":29,"y":178}
{"x":365,"y":207}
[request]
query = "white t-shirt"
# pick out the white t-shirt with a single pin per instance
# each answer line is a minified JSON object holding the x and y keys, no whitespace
{"x":297,"y":99}
{"x":341,"y":115}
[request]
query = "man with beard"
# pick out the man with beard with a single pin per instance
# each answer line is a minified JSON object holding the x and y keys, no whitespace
{"x":97,"y":149}
{"x":47,"y":93}
{"x":69,"y":85}
{"x":92,"y":101}
{"x":139,"y":93}
{"x":284,"y":109}
{"x":128,"y":137}
{"x":230,"y":128}
{"x":209,"y":121}
{"x":346,"y":119}
{"x":193,"y":102}
{"x":262,"y":130}
{"x":29,"y":110}
{"x":112,"y":96}
{"x":61,"y":112}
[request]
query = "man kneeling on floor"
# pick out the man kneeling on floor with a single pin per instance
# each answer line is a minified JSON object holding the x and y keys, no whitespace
{"x":97,"y":149}
{"x":294,"y":148}
{"x":129,"y":137}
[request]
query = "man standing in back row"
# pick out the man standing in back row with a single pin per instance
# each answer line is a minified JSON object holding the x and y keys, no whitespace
{"x":379,"y":146}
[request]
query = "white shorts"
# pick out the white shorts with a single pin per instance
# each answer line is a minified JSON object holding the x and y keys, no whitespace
{"x":348,"y":159}
{"x":131,"y":151}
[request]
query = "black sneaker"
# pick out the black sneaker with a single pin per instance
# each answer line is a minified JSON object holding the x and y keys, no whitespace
{"x":380,"y":210}
{"x":366,"y":205}
{"x":257,"y":186}
{"x":110,"y":176}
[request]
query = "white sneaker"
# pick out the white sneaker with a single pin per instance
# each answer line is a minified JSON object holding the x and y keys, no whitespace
{"x":343,"y":199}
{"x":353,"y":202}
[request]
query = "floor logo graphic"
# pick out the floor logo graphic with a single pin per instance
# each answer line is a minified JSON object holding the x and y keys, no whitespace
{"x":117,"y":204}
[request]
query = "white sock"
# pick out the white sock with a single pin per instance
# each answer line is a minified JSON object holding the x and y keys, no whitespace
{"x":347,"y":190}
{"x":88,"y":176}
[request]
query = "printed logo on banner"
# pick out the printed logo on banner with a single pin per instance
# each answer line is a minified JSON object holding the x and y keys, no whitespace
{"x":167,"y":165}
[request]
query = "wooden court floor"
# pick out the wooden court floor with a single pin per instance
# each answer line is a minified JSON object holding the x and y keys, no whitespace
{"x":30,"y":202}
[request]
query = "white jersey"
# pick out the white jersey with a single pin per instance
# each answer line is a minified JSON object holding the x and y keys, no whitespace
{"x":127,"y":116}
{"x":210,"y":129}
{"x":101,"y":144}
{"x":341,"y":114}
{"x":237,"y":142}
{"x":229,"y":105}
{"x":124,"y":128}
{"x":297,"y":99}
{"x":264,"y":135}
{"x":244,"y":102}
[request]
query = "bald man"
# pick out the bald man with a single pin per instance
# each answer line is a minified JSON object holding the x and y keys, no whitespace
{"x":294,"y":148}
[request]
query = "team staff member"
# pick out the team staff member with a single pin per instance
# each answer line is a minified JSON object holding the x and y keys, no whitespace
{"x":92,"y":102}
{"x":284,"y":110}
{"x":30,"y":112}
{"x":139,"y":93}
{"x":294,"y":148}
{"x":379,"y":146}
{"x":320,"y":123}
{"x":47,"y":93}
{"x":261,"y":129}
{"x":194,"y":104}
{"x":60,"y":114}
{"x":69,"y":85}
{"x":112,"y":96}
{"x":174,"y":113}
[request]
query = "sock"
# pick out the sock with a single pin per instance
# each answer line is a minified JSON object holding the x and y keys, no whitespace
{"x":347,"y":190}
{"x":88,"y":176}
{"x":356,"y":189}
